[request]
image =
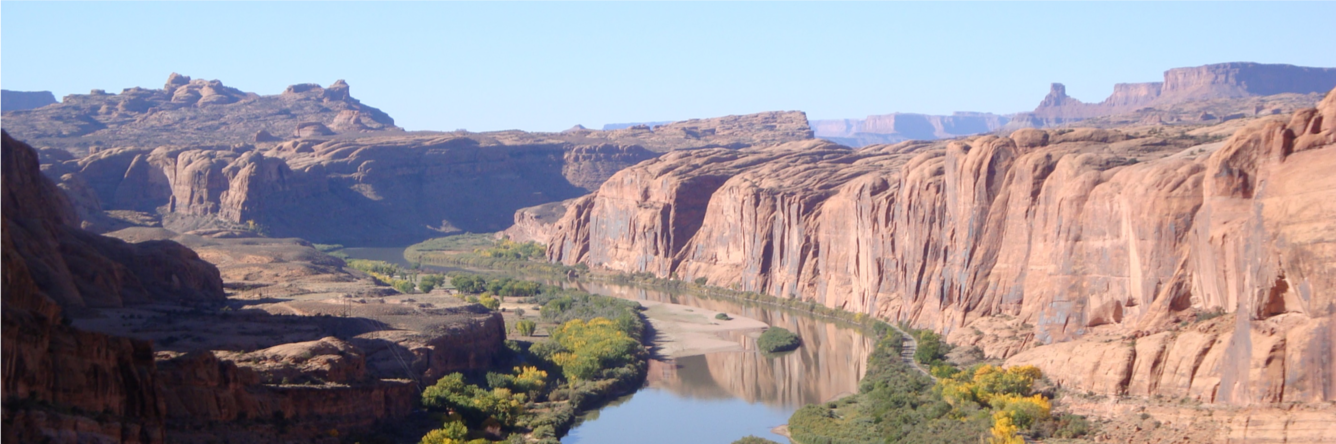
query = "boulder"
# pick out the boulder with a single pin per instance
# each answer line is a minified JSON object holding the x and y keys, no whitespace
{"x":312,"y":129}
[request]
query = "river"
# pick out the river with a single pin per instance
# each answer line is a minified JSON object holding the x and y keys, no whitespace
{"x":718,"y":397}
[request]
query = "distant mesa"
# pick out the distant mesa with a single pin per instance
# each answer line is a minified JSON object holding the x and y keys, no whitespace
{"x":1182,"y":85}
{"x":899,"y":127}
{"x":1144,"y":103}
{"x":647,"y":125}
{"x":21,"y":100}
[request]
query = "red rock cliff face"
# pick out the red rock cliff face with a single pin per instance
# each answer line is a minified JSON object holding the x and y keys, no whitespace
{"x":65,"y":385}
{"x":51,"y":369}
{"x":1078,"y":234}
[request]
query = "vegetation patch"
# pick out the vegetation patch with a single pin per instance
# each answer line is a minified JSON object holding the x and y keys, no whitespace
{"x":485,"y":251}
{"x":778,"y":339}
{"x":593,"y":353}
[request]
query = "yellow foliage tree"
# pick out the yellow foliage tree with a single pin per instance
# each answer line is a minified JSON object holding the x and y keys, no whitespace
{"x":1004,"y":432}
{"x":590,"y":346}
{"x":487,"y":300}
{"x":529,"y":379}
{"x":1022,"y":411}
{"x":452,"y":432}
{"x":957,"y":393}
{"x":991,"y":380}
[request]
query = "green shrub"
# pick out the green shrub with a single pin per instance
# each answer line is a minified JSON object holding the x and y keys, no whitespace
{"x":723,"y":317}
{"x":931,"y":348}
{"x":468,"y":283}
{"x":895,"y":404}
{"x":777,"y":339}
{"x":525,"y":327}
{"x":473,"y":403}
{"x":750,"y":439}
{"x":429,"y":282}
{"x":450,"y":433}
{"x":490,"y":302}
{"x":508,"y":249}
{"x":325,"y":248}
{"x":1066,"y":427}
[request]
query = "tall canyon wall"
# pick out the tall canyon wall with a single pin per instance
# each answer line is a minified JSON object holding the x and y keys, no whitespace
{"x":1085,"y":240}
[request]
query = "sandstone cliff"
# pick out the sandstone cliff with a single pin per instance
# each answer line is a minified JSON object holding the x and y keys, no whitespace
{"x":83,"y":314}
{"x":315,"y":163}
{"x":52,"y":371}
{"x":375,"y":189}
{"x":1082,"y":239}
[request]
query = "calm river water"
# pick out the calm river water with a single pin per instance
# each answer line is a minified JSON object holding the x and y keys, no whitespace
{"x":718,"y":397}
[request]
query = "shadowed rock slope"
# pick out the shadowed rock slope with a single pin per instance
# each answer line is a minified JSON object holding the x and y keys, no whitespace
{"x":51,"y":266}
{"x":312,"y":162}
{"x":1107,"y":254}
{"x":369,"y":190}
{"x":109,"y":341}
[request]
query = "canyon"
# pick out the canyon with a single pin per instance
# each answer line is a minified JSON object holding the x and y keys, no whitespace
{"x":113,"y":341}
{"x":315,"y":163}
{"x":1167,"y":264}
{"x":1168,"y":249}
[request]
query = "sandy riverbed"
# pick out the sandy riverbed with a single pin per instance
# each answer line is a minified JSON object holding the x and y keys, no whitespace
{"x":681,"y":330}
{"x":687,"y":331}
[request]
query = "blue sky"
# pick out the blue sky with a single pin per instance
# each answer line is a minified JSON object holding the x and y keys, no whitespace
{"x":548,"y":66}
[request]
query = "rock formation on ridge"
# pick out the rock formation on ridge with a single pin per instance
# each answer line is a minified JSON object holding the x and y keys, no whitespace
{"x":187,"y":111}
{"x":347,"y":177}
{"x":1181,"y":85}
{"x":1197,"y":95}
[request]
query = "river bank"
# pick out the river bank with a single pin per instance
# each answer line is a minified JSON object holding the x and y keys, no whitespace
{"x":708,"y":373}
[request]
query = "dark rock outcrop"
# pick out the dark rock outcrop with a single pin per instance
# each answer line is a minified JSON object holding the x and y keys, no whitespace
{"x":52,"y":267}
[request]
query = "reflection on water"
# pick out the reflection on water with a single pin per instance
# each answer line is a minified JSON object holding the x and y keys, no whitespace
{"x":655,"y":416}
{"x":759,"y":391}
{"x":716,"y":397}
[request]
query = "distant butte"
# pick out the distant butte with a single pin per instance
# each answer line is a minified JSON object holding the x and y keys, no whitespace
{"x":21,"y":100}
{"x":1181,"y":85}
{"x":1221,"y":91}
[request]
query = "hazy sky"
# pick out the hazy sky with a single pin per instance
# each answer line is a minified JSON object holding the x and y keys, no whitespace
{"x":548,"y":66}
